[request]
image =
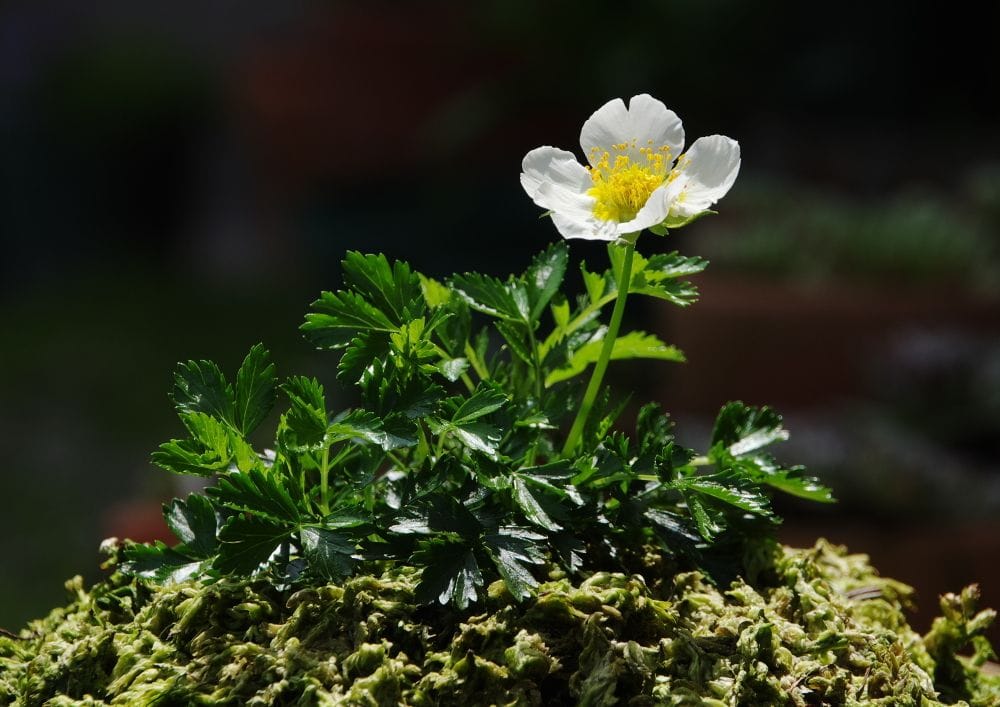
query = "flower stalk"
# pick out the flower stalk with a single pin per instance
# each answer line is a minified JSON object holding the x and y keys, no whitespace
{"x":597,"y":377}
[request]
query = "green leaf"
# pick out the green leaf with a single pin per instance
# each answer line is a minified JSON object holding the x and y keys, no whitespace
{"x":489,"y":296}
{"x":328,"y":552}
{"x":560,"y":313}
{"x":450,"y":574}
{"x":183,"y":456}
{"x":255,"y":390}
{"x":532,"y":509}
{"x":436,"y":513}
{"x":709,"y":523}
{"x":478,"y":435}
{"x":681,"y":293}
{"x":762,"y":469}
{"x":359,"y":354}
{"x":635,"y":344}
{"x":338,"y":317}
{"x":596,"y":284}
{"x":393,"y":289}
{"x":514,"y":336}
{"x":673,"y":222}
{"x":664,"y":266}
{"x":259,"y":492}
{"x":360,"y":426}
{"x":796,"y":482}
{"x":453,"y":368}
{"x":743,"y":428}
{"x":485,"y":399}
{"x":544,"y":277}
{"x":160,"y":563}
{"x":195,"y":524}
{"x":199,"y":386}
{"x":247,"y":542}
{"x":305,"y":422}
{"x":512,"y":550}
{"x":209,"y":450}
{"x":435,"y":294}
{"x":729,"y":491}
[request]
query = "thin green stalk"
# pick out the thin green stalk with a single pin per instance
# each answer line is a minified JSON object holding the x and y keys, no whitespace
{"x":624,"y":279}
{"x":535,"y":361}
{"x":478,"y":366}
{"x":324,"y":489}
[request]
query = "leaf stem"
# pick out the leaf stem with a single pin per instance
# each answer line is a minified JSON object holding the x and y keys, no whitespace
{"x":477,"y":365}
{"x":590,"y":395}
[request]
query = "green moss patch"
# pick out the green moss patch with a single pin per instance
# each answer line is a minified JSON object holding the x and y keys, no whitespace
{"x":818,"y":626}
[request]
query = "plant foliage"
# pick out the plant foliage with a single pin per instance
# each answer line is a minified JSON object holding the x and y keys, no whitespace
{"x":452,"y":462}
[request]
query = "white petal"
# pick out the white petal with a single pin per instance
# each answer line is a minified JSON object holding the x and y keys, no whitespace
{"x":606,"y":127}
{"x":646,"y":119}
{"x":557,"y":198}
{"x":653,"y":211}
{"x":708,"y":170}
{"x":587,"y":228}
{"x":649,"y":120}
{"x":550,"y":164}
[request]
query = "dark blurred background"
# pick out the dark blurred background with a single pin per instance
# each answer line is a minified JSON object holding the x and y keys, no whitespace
{"x":179,"y":180}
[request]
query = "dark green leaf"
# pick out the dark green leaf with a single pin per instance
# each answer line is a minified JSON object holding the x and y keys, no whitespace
{"x":530,"y":506}
{"x":306,"y":421}
{"x":544,"y":277}
{"x":248,"y":541}
{"x":328,"y":552}
{"x":479,"y":436}
{"x":361,"y":351}
{"x":664,"y":266}
{"x":762,"y":469}
{"x":199,"y":386}
{"x":357,"y":425}
{"x":743,"y":428}
{"x":259,"y":492}
{"x":338,"y":317}
{"x":255,"y":390}
{"x":682,"y":293}
{"x":185,"y":456}
{"x":489,"y":295}
{"x":709,"y":522}
{"x":514,"y":335}
{"x":160,"y":563}
{"x":194,"y":522}
{"x":740,"y":495}
{"x":512,"y":550}
{"x":393,"y":289}
{"x":450,"y":574}
{"x":635,"y":344}
{"x":485,"y":399}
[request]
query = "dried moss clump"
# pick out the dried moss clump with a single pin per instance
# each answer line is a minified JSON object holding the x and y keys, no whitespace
{"x":818,"y":627}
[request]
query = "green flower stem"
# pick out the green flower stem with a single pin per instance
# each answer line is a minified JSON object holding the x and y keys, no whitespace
{"x":624,"y":279}
{"x":324,"y":488}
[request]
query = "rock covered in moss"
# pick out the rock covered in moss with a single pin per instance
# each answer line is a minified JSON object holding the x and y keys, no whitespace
{"x":817,"y":627}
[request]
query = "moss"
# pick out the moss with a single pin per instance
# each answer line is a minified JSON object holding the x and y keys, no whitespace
{"x":818,"y":626}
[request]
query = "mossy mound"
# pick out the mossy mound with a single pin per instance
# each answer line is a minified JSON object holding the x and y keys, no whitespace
{"x":817,"y":627}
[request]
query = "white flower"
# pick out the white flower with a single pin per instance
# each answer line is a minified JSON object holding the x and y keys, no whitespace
{"x":635,"y":179}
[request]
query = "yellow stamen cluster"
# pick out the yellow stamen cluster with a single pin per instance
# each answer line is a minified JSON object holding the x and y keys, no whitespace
{"x":622,"y":186}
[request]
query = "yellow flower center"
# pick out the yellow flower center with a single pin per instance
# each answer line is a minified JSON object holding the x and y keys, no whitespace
{"x":622,"y":186}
